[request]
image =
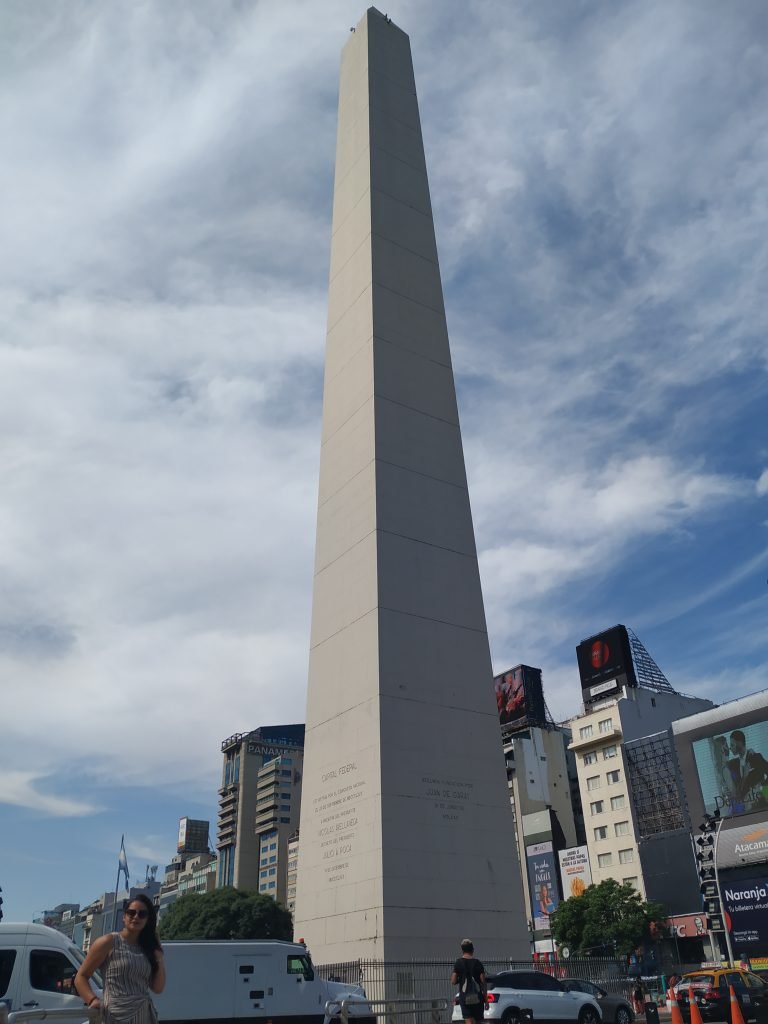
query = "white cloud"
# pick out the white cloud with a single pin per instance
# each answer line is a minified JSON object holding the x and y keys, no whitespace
{"x":762,"y":483}
{"x":21,"y":788}
{"x":167,"y":209}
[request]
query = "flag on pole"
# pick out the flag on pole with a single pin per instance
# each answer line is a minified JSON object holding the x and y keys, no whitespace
{"x":122,"y":862}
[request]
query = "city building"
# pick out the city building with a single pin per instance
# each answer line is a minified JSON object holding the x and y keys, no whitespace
{"x":541,"y":777}
{"x":193,"y":836}
{"x":723,"y":759}
{"x":278,"y":805}
{"x":238,"y":841}
{"x":187,"y":873}
{"x":292,"y":871}
{"x":634,"y":831}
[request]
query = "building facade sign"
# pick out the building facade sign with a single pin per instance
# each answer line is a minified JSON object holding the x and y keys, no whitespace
{"x":575,"y":872}
{"x":542,"y":883}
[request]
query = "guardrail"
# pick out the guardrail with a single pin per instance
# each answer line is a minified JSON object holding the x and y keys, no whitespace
{"x":384,"y":1008}
{"x":21,"y":1016}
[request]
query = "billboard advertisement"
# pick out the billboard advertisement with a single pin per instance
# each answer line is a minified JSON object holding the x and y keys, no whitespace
{"x":732,"y":769}
{"x":746,"y":906}
{"x":520,"y":697}
{"x":182,"y":834}
{"x":575,"y":872}
{"x":605,"y":663}
{"x":542,"y":883}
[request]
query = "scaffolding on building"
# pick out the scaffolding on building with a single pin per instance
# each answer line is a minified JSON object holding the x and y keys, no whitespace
{"x":651,"y":768}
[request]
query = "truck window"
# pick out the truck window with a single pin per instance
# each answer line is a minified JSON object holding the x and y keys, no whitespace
{"x":50,"y":971}
{"x":7,"y":959}
{"x":301,"y":965}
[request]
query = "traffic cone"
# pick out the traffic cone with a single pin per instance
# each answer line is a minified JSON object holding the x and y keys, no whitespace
{"x":737,"y":1017}
{"x":694,"y":1008}
{"x":677,"y":1017}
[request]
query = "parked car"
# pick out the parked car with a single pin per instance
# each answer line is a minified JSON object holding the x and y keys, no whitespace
{"x":710,"y":990}
{"x":615,"y":1009}
{"x":509,"y":992}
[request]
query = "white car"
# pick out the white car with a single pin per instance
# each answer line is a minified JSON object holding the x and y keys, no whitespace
{"x":511,"y":992}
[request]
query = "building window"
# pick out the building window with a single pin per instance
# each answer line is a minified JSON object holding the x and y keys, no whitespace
{"x":605,"y":725}
{"x":626,"y":856}
{"x":621,"y":828}
{"x":262,"y":874}
{"x":590,"y":758}
{"x":604,"y":860}
{"x":273,"y":858}
{"x":285,"y":821}
{"x":596,"y":807}
{"x":585,"y":732}
{"x":613,"y":777}
{"x":617,"y":803}
{"x":610,"y":752}
{"x":273,"y":846}
{"x":273,"y":871}
{"x":263,"y":861}
{"x":593,"y":782}
{"x":602,"y":832}
{"x":285,"y":807}
{"x":631,"y":881}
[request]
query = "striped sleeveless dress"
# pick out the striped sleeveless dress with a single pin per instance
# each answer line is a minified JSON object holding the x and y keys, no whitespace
{"x":126,"y":985}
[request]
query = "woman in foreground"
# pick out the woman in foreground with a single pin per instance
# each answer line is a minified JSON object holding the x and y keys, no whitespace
{"x":131,"y":962}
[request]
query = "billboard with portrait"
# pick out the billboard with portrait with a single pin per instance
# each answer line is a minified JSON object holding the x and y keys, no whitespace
{"x":732,"y":769}
{"x":605,"y":664}
{"x":575,"y":872}
{"x":520,"y":697}
{"x":542,"y":883}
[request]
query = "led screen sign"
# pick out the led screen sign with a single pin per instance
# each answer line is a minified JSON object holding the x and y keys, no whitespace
{"x":605,"y":664}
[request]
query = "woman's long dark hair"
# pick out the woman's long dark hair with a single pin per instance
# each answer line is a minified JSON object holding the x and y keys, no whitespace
{"x":148,"y":939}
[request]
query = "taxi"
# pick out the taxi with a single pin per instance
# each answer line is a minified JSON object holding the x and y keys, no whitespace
{"x":710,"y":988}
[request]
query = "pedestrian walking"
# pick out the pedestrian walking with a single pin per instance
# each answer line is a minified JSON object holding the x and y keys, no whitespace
{"x":469,"y":975}
{"x":638,"y":997}
{"x":132,"y":964}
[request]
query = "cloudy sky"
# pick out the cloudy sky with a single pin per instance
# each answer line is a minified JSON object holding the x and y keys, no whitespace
{"x":599,"y":176}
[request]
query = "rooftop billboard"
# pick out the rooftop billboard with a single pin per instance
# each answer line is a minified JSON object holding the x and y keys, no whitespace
{"x":605,"y":664}
{"x":520,"y":697}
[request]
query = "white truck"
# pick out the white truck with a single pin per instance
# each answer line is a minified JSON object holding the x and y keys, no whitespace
{"x":216,"y":982}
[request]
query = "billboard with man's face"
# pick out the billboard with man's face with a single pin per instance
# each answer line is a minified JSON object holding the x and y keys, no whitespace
{"x":520,"y":697}
{"x":605,"y":664}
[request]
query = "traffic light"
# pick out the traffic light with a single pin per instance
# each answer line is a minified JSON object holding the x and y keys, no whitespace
{"x":705,"y":856}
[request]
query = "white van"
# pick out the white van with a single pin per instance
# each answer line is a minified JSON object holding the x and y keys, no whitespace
{"x":207,"y":981}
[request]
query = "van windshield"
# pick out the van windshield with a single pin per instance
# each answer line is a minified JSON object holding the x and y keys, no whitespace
{"x":79,"y":958}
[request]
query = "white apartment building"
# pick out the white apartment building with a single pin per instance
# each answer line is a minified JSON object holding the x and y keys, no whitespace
{"x":598,"y":741}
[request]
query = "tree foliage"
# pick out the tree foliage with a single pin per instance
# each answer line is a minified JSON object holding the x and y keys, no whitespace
{"x":226,"y":914}
{"x":607,"y":918}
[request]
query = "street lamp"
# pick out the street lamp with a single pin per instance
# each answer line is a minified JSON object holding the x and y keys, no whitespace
{"x":710,"y":880}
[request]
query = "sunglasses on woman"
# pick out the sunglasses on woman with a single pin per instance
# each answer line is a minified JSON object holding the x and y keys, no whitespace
{"x":141,"y":914}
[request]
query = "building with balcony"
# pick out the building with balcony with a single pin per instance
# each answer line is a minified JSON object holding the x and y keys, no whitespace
{"x":628,"y":779}
{"x":243,"y":822}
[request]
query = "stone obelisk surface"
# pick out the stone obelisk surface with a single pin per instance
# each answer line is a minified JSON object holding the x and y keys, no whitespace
{"x":407,"y":840}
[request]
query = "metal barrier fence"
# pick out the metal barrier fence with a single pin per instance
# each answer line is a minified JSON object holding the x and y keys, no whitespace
{"x":426,"y":1011}
{"x":429,"y":980}
{"x":22,"y":1016}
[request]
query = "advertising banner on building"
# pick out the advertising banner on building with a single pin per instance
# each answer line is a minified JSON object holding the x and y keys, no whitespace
{"x":732,"y":769}
{"x":542,"y":883}
{"x":520,"y":697}
{"x":605,"y":663}
{"x":687,"y":926}
{"x":182,"y":834}
{"x":746,"y":905}
{"x":575,"y":872}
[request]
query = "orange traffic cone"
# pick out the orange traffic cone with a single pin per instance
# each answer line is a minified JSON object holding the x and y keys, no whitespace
{"x":677,"y":1017}
{"x":694,"y":1008}
{"x":737,"y":1017}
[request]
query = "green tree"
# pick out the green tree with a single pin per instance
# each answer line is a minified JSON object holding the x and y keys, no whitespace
{"x":226,"y":914}
{"x":606,"y":918}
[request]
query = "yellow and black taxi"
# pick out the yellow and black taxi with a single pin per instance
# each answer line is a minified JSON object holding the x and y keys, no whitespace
{"x":710,"y":987}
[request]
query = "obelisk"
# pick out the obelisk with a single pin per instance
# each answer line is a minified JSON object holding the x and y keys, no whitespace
{"x":407,"y":840}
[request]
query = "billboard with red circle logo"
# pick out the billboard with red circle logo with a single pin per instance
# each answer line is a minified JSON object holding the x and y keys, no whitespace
{"x":605,"y":664}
